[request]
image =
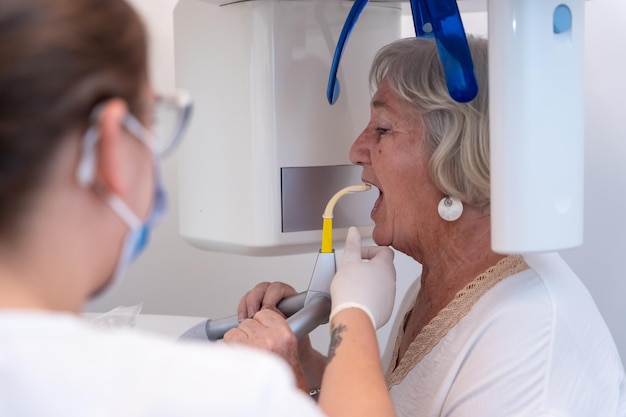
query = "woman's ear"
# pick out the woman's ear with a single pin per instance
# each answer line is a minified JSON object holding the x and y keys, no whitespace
{"x":109,"y":155}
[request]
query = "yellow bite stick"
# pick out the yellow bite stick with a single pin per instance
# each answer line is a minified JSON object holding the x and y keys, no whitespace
{"x":327,"y":227}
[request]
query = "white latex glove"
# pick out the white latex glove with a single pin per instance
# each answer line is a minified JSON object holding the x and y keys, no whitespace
{"x":366,"y":279}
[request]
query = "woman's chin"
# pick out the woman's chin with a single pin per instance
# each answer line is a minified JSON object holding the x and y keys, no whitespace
{"x":380,"y":238}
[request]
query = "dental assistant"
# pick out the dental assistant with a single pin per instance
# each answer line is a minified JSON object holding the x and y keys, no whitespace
{"x":79,"y":194}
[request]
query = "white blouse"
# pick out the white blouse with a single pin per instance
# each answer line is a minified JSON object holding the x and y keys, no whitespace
{"x":525,"y":338}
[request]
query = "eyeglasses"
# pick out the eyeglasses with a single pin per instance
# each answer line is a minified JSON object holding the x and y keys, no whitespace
{"x":171,"y":114}
{"x":174,"y":111}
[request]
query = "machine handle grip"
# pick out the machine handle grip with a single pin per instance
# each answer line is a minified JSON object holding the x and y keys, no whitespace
{"x":313,"y":314}
{"x":302,"y":320}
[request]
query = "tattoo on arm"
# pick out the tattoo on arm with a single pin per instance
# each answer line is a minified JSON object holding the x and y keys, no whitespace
{"x":335,"y":341}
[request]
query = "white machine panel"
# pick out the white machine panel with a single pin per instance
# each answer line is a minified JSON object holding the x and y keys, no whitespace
{"x":537,"y":124}
{"x":258,"y":71}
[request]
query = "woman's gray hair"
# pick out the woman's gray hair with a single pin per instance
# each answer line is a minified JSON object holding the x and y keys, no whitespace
{"x":457,"y":133}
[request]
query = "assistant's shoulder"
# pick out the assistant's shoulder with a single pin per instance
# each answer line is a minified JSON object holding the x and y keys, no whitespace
{"x":127,"y":369}
{"x":232,"y":381}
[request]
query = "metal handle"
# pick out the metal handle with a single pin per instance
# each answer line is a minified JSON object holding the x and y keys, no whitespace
{"x":302,"y":319}
{"x":305,"y":311}
{"x":313,"y":314}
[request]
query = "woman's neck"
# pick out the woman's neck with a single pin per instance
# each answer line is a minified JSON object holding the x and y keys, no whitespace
{"x":453,"y":259}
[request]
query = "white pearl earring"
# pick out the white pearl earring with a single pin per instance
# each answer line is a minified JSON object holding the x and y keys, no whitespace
{"x":450,"y":208}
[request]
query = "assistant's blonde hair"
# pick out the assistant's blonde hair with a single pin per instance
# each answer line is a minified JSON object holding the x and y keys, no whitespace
{"x":457,"y":133}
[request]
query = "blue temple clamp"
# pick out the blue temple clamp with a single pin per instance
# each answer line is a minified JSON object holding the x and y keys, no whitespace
{"x":440,"y":19}
{"x":332,"y":92}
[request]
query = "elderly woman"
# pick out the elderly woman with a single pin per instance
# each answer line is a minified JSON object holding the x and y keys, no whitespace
{"x":480,"y":333}
{"x":79,"y":194}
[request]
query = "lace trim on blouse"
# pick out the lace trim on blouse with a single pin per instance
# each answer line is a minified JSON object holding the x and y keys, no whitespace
{"x":449,"y":316}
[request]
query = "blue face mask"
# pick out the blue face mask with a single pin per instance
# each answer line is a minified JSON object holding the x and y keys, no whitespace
{"x":139,"y":231}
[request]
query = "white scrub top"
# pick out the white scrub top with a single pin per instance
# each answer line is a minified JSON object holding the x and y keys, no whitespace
{"x":60,"y":365}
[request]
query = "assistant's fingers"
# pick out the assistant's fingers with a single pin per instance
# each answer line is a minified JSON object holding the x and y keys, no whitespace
{"x":352,"y":250}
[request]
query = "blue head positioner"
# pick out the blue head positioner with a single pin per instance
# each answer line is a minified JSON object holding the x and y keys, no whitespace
{"x":432,"y":18}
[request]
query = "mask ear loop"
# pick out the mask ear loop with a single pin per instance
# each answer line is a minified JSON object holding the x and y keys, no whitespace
{"x":86,"y":171}
{"x":144,"y":135}
{"x":135,"y":127}
{"x":122,"y":210}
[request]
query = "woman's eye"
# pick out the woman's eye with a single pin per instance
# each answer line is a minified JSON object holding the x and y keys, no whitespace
{"x":382,"y":130}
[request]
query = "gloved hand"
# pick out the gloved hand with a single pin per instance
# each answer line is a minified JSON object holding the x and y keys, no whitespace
{"x":366,"y":279}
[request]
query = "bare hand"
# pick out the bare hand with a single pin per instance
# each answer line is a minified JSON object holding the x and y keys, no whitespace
{"x":268,"y":330}
{"x":265,"y":295}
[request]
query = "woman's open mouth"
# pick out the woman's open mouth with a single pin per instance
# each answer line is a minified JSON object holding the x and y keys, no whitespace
{"x":378,"y":201}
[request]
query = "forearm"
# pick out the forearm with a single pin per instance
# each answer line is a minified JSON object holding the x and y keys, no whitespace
{"x":353,"y":382}
{"x":312,"y":363}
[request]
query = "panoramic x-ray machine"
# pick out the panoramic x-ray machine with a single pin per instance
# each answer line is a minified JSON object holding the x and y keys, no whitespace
{"x":280,"y":94}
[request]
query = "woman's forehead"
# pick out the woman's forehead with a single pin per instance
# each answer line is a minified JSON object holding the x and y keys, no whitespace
{"x":385,"y":99}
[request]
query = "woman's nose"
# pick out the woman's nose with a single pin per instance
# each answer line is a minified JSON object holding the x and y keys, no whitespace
{"x":359,"y":153}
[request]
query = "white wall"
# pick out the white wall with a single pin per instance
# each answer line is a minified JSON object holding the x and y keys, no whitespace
{"x":174,"y":278}
{"x":600,"y":261}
